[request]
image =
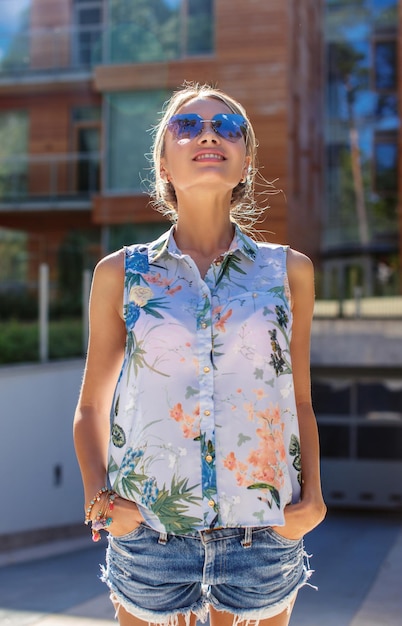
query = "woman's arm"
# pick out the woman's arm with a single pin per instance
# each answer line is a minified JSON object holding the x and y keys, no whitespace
{"x":304,"y":516}
{"x":107,"y":336}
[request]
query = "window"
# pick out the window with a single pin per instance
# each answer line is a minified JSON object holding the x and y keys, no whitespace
{"x":359,"y":417}
{"x":385,"y":163}
{"x":126,"y":234}
{"x":13,"y":151}
{"x":361,"y":126}
{"x":385,"y":74}
{"x":88,"y":17}
{"x":142,"y":31}
{"x":14,"y":38}
{"x":199,"y":31}
{"x":13,"y":259}
{"x":130,"y":118}
{"x":86,"y":148}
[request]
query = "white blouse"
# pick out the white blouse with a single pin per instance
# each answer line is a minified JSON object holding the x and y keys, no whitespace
{"x":204,"y":430}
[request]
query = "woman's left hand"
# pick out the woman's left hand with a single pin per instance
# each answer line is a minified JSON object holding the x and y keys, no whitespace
{"x":301,"y":518}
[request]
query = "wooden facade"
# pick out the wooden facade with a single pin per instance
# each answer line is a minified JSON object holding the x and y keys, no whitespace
{"x":268,"y":55}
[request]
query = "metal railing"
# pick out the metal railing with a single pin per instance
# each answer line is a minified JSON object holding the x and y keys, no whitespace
{"x":70,"y":48}
{"x":381,"y":307}
{"x":49,"y":177}
{"x":49,"y":49}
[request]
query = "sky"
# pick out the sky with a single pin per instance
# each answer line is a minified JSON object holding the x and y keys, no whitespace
{"x":10,"y":11}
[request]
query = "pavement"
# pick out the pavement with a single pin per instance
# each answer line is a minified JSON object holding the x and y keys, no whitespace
{"x":357,"y":558}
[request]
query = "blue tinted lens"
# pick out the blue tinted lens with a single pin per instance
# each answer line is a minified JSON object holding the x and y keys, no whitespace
{"x":230,"y":126}
{"x":185,"y":126}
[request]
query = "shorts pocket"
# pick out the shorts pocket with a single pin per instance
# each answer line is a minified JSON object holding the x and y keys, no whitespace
{"x":122,"y":539}
{"x":284,"y":541}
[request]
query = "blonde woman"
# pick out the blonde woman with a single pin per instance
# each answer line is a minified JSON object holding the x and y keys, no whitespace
{"x":194,"y":429}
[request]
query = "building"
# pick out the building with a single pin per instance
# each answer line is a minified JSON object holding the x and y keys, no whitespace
{"x":83,"y":81}
{"x":361,"y":242}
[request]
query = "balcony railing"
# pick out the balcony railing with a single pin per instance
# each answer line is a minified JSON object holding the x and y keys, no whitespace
{"x":78,"y":49}
{"x":49,"y":178}
{"x":46,"y":50}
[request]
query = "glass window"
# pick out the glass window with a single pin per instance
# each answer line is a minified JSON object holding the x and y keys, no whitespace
{"x":332,"y":397}
{"x":87,"y":114}
{"x":200,"y":32}
{"x":143,"y":31}
{"x":386,"y":163}
{"x":86,"y":136}
{"x":130,"y":118}
{"x":387,"y":108}
{"x":88,"y":17}
{"x":379,"y":442}
{"x":13,"y":259}
{"x":13,"y":151}
{"x":127,"y":234}
{"x":385,"y":13}
{"x":385,"y":54}
{"x":334,"y":441}
{"x":361,"y":125}
{"x":14,"y":38}
{"x":379,"y":400}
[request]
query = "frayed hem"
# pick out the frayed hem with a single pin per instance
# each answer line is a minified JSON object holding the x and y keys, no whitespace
{"x":258,"y":615}
{"x":169,"y":619}
{"x":152,"y":618}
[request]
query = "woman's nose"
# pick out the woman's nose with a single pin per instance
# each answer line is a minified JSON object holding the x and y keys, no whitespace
{"x":208,"y":134}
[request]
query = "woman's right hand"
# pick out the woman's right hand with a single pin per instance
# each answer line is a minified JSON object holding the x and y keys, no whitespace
{"x":126,"y":517}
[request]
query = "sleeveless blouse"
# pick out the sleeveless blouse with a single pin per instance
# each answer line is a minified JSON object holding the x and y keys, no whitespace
{"x":204,"y":430}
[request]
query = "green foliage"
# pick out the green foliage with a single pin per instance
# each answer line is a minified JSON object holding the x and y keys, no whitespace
{"x":19,"y":341}
{"x":18,"y":304}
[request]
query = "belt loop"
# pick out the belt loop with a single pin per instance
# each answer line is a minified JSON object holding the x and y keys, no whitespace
{"x":163,"y":538}
{"x":248,"y":537}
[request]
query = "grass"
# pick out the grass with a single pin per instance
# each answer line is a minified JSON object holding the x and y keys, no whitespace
{"x":19,"y":341}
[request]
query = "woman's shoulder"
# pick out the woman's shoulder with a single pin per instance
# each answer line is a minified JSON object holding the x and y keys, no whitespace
{"x":298,"y":263}
{"x":110,"y":267}
{"x":300,"y":271}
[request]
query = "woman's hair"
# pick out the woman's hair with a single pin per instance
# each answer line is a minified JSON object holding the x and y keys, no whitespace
{"x":244,"y":210}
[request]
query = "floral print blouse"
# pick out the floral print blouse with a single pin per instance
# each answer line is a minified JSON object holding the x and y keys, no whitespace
{"x":204,"y":431}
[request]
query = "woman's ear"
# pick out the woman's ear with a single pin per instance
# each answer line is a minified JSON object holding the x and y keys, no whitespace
{"x":164,"y":174}
{"x":246,"y":167}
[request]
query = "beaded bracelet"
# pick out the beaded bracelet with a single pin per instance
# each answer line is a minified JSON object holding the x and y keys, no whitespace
{"x":95,"y":499}
{"x":102,"y":519}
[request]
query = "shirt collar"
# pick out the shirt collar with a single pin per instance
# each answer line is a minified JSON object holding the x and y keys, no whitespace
{"x":166,"y":244}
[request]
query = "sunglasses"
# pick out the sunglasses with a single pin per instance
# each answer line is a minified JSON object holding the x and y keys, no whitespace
{"x":187,"y":126}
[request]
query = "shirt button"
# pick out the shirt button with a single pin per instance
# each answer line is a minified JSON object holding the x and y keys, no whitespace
{"x":208,"y":458}
{"x":204,"y":325}
{"x":207,"y":413}
{"x":206,"y":369}
{"x":211,"y":503}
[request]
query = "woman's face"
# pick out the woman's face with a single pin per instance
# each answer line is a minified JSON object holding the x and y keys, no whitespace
{"x":208,"y":159}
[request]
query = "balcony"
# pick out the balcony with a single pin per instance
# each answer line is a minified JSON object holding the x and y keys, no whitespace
{"x":49,"y":181}
{"x":31,"y":54}
{"x":59,"y":53}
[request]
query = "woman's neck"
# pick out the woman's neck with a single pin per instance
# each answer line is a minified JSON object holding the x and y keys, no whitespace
{"x":204,"y":226}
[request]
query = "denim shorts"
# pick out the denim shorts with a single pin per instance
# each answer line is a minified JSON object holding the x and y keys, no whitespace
{"x":252,"y":573}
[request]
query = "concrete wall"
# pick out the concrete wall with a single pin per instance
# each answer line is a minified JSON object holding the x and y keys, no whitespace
{"x":356,"y":342}
{"x":39,"y":473}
